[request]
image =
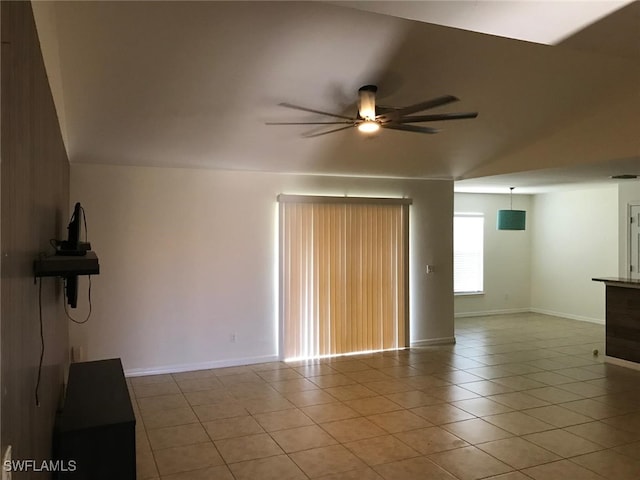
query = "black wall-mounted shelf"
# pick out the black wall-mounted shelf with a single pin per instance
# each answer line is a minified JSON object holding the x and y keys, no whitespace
{"x":67,"y":265}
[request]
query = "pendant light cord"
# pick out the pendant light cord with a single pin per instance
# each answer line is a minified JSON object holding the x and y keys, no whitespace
{"x":511,"y":198}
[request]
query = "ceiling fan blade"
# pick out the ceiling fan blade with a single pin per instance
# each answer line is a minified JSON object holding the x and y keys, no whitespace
{"x":308,"y":123}
{"x":409,"y":128}
{"x":383,"y":109}
{"x":310,"y":110}
{"x":418,"y":107}
{"x":438,"y":117}
{"x":329,"y":131}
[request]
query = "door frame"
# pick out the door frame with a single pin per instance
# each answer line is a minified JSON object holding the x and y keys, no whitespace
{"x":627,"y":265}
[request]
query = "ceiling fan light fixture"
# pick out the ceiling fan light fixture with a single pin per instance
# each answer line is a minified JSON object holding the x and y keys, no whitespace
{"x":369,"y":120}
{"x":369,"y":126}
{"x":367,"y":107}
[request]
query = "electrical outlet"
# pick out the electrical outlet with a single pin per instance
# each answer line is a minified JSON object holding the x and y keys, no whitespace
{"x":6,"y":473}
{"x":232,"y":337}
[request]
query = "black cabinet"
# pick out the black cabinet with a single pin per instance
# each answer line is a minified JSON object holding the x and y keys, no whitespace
{"x":96,"y":429}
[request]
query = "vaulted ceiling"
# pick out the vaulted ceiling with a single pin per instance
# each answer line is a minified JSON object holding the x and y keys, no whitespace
{"x":191,"y":84}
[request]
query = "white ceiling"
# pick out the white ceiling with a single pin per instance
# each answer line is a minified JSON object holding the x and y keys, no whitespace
{"x":546,"y":22}
{"x":553,"y":179}
{"x":191,"y":84}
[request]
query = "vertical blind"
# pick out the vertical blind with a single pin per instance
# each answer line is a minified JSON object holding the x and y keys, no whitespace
{"x":343,"y":275}
{"x":468,"y":252}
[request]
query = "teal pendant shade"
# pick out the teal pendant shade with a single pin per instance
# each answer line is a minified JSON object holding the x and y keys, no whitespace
{"x":511,"y":219}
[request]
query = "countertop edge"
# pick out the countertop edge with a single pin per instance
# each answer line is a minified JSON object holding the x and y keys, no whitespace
{"x":619,"y":281}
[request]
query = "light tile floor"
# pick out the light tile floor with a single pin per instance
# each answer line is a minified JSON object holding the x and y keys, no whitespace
{"x":518,"y":397}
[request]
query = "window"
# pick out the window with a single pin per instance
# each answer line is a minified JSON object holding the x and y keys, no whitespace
{"x":468,"y":248}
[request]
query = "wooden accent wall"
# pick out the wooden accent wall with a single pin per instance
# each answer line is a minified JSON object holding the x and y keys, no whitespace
{"x":34,"y":208}
{"x":623,"y":323}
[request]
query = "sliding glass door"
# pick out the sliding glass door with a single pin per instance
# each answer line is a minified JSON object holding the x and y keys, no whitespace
{"x":343,"y":275}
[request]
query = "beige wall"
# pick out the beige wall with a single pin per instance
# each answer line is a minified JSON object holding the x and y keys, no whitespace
{"x":507,"y":258}
{"x":574,"y":238}
{"x":188,"y":258}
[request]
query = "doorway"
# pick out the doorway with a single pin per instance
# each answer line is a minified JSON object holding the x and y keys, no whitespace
{"x":634,"y":241}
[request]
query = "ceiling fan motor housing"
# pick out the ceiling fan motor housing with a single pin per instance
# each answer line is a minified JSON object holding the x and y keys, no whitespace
{"x":367,"y":107}
{"x":368,"y":88}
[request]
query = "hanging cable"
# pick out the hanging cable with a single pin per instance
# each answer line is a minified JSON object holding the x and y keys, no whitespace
{"x":41,"y":341}
{"x":66,"y":311}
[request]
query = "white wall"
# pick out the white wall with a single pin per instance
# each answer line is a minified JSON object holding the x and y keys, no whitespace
{"x":628,"y":192}
{"x":574,"y":238}
{"x":188,"y":257}
{"x":507,"y":259}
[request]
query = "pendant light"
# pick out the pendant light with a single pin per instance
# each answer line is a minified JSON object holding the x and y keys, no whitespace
{"x":511,"y":219}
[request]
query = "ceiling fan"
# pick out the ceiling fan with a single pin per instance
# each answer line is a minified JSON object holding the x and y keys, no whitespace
{"x":372,"y":117}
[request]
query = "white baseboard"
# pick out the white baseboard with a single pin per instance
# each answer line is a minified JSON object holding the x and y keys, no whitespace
{"x":434,"y":341}
{"x":567,"y":315}
{"x":505,"y":311}
{"x":621,"y":363}
{"x":139,"y":372}
{"x":570,"y":316}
